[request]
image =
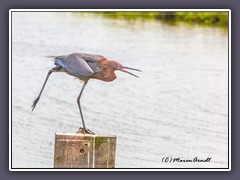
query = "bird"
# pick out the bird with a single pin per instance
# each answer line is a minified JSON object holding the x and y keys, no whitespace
{"x":84,"y":66}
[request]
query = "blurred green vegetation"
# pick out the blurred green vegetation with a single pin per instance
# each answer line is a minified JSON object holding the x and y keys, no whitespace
{"x":205,"y":18}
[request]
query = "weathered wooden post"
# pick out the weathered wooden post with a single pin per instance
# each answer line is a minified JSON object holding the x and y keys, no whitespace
{"x":77,"y":150}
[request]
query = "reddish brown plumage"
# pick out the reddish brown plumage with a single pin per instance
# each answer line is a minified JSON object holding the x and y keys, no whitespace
{"x":107,"y":70}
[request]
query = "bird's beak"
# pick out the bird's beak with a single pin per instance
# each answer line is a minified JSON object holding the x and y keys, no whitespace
{"x":124,"y":67}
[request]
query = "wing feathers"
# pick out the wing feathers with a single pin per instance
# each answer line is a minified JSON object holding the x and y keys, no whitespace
{"x":74,"y":65}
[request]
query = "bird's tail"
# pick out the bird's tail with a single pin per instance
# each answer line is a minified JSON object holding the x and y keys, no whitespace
{"x":52,"y":57}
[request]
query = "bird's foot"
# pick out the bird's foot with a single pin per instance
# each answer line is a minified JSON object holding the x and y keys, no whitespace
{"x":85,"y":131}
{"x":35,"y":103}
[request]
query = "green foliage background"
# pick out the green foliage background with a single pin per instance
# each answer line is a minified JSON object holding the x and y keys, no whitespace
{"x":205,"y":18}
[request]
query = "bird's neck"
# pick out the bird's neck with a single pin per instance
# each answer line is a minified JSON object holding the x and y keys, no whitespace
{"x":107,"y":73}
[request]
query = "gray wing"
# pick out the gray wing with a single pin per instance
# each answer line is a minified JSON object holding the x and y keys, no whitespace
{"x":74,"y":65}
{"x":89,"y":57}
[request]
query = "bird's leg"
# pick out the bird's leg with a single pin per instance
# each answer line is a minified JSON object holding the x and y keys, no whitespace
{"x":84,"y":129}
{"x":49,"y":73}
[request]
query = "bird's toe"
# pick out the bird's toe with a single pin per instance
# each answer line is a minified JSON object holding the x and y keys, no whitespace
{"x":34,"y":103}
{"x":88,"y":131}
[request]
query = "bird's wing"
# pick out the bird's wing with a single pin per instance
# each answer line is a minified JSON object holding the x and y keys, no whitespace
{"x":89,"y":57}
{"x":74,"y":65}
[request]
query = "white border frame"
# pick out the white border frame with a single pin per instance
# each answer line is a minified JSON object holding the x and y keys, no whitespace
{"x":127,"y":169}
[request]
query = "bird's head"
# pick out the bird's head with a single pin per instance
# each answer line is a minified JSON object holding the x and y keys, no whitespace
{"x":117,"y":66}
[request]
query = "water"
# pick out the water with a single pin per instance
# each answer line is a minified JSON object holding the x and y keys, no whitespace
{"x":178,"y":107}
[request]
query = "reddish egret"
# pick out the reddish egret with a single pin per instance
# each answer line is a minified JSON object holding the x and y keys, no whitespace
{"x":85,"y":66}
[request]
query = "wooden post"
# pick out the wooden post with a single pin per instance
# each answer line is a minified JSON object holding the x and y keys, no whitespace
{"x":75,"y":150}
